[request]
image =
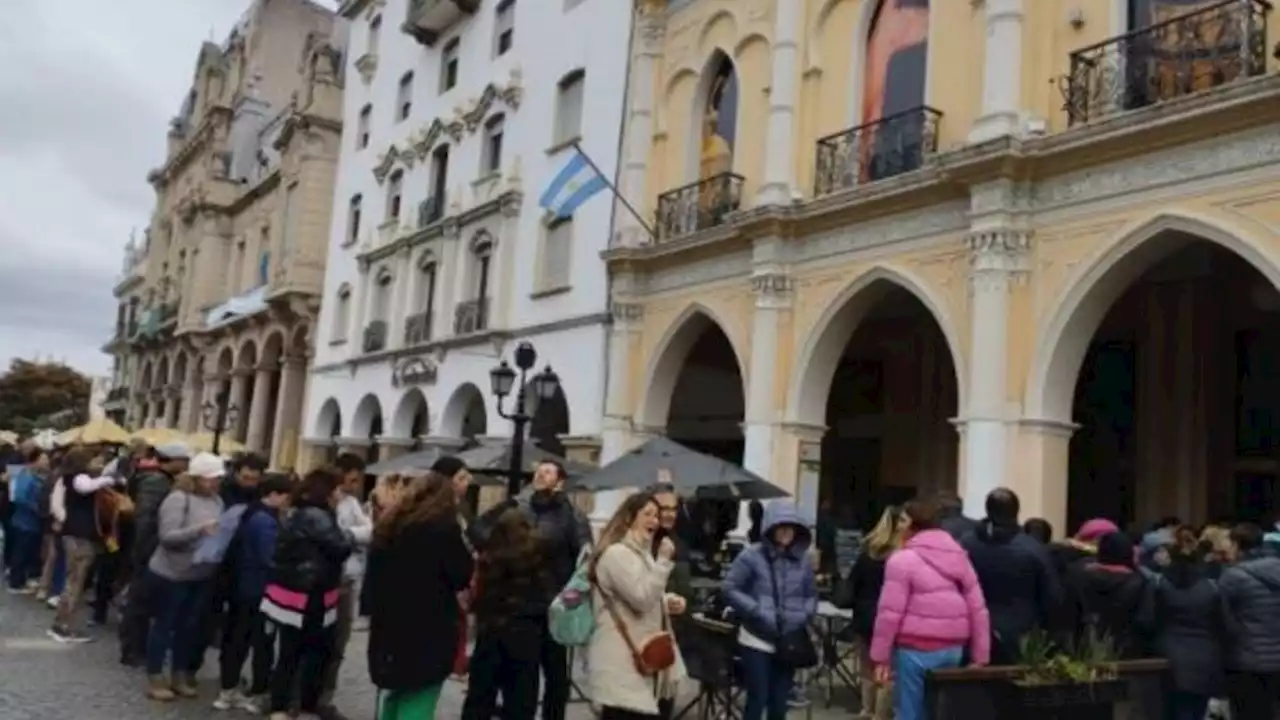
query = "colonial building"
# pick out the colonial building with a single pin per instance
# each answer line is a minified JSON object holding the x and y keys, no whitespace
{"x":903,"y":245}
{"x":217,"y":305}
{"x":458,"y":115}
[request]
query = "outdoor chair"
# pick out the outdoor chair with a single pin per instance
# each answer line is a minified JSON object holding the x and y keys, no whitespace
{"x":710,"y":648}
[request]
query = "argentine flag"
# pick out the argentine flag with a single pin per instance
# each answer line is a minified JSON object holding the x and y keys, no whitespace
{"x":575,"y":184}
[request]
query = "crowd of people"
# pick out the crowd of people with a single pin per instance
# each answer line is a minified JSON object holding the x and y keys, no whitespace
{"x":276,"y":571}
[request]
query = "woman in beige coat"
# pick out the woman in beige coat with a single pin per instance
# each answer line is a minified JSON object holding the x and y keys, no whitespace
{"x":624,"y":568}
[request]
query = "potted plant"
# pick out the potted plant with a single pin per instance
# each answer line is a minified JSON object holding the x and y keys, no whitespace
{"x":1073,"y":681}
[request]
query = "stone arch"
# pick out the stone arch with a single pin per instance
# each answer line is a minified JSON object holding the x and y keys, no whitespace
{"x":366,"y":418}
{"x":816,"y":362}
{"x":413,"y":404}
{"x":1061,"y":346}
{"x":162,"y":372}
{"x":329,"y":420}
{"x":247,"y":357}
{"x":300,"y":341}
{"x":668,"y":360}
{"x":480,"y":240}
{"x":746,"y":40}
{"x":704,"y":33}
{"x":273,"y":348}
{"x":672,"y":87}
{"x":226,"y":361}
{"x":454,"y":421}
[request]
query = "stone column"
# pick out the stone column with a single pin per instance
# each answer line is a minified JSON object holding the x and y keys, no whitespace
{"x":1001,"y":72}
{"x":240,"y":401}
{"x":779,"y":160}
{"x":617,"y":435}
{"x":259,"y":405}
{"x":650,"y":29}
{"x":190,"y":420}
{"x":284,"y":441}
{"x":998,"y":247}
{"x":172,"y":403}
{"x":1041,"y":480}
{"x":355,"y":332}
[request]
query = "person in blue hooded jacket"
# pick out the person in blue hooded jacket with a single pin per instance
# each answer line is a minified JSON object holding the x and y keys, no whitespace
{"x":26,"y":524}
{"x":771,"y":588}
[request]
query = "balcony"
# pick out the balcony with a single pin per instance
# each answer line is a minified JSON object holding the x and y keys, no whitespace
{"x":471,"y":317}
{"x":428,"y":19}
{"x":430,"y":210}
{"x":375,"y":336}
{"x":878,"y":150}
{"x":698,"y":206}
{"x":1215,"y":45}
{"x":417,"y":329}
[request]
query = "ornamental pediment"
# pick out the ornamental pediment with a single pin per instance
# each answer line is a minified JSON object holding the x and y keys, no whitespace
{"x":389,"y":159}
{"x":426,"y":139}
{"x":510,"y":95}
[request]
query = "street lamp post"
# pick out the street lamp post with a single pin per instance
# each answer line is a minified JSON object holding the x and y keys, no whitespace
{"x":219,"y":415}
{"x":503,"y":379}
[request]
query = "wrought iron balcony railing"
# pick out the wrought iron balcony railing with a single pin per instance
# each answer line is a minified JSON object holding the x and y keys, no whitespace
{"x":471,"y":317}
{"x":698,"y":206}
{"x":417,"y":329}
{"x":430,"y":210}
{"x":877,"y":150}
{"x":1215,"y":45}
{"x":375,"y":336}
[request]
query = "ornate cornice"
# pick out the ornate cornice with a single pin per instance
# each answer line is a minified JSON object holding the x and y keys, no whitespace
{"x":510,"y":95}
{"x":426,"y":139}
{"x":388,"y":159}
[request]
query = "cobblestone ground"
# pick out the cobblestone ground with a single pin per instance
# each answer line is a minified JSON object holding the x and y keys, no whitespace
{"x":43,"y":680}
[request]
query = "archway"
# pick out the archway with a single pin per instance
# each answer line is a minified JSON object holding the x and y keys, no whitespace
{"x":1169,"y":365}
{"x":411,"y":419}
{"x":329,"y":425}
{"x":465,"y":415}
{"x":246,"y":365}
{"x":273,"y":360}
{"x":881,"y":377}
{"x":366,"y":424}
{"x":550,"y":421}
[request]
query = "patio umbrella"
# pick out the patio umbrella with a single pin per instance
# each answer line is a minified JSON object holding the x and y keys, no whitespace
{"x":417,"y":460}
{"x":495,"y":456}
{"x":9,"y":437}
{"x":95,"y":432}
{"x":160,"y":436}
{"x":693,"y":473}
{"x":203,"y":442}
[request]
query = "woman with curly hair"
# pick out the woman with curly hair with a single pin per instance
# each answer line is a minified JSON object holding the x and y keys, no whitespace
{"x":418,"y":564}
{"x":510,"y":606}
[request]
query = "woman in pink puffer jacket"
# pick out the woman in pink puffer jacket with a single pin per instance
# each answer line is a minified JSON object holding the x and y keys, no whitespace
{"x":930,"y":610}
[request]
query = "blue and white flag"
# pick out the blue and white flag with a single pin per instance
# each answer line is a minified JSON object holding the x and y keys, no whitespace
{"x":575,"y":184}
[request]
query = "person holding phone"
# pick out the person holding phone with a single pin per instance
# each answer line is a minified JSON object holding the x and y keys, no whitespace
{"x":177,"y":583}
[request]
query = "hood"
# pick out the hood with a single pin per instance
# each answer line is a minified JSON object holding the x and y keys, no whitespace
{"x":939,"y":550}
{"x":992,"y":534}
{"x":1155,"y":540}
{"x":1093,"y":529}
{"x":1264,"y":568}
{"x":784,"y":512}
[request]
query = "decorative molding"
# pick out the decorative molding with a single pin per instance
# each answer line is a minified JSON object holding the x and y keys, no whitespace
{"x":367,"y":65}
{"x":510,"y":95}
{"x":426,"y":140}
{"x":999,"y":252}
{"x":626,"y":312}
{"x":388,"y":159}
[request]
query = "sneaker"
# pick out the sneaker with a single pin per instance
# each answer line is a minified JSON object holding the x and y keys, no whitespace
{"x":52,"y":602}
{"x":42,"y":595}
{"x":185,"y":685}
{"x":158,"y":689}
{"x":256,"y":705}
{"x":20,"y":590}
{"x":228,"y":699}
{"x":58,"y":633}
{"x":74,"y":637}
{"x":33,"y":585}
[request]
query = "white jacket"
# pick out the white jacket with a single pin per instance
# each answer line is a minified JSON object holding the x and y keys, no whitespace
{"x":353,"y":519}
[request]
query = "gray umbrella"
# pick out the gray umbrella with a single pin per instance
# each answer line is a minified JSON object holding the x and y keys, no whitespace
{"x":496,"y":456}
{"x":693,"y":473}
{"x":416,"y":460}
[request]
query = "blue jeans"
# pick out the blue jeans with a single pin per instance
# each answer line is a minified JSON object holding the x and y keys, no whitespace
{"x":175,"y":622}
{"x":24,"y":562}
{"x":768,"y":685}
{"x":59,"y":580}
{"x":910,"y":668}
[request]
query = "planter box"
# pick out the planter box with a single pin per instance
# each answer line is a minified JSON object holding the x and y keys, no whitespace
{"x":995,"y":693}
{"x":1075,"y":696}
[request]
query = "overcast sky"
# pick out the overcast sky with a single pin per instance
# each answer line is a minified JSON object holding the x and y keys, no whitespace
{"x":86,"y":92}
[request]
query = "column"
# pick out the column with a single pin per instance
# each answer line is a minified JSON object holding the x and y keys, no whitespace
{"x":189,"y":422}
{"x":355,"y":335}
{"x":284,"y":443}
{"x":650,"y":30}
{"x":238,"y":420}
{"x":998,"y":254}
{"x":1001,"y":72}
{"x":259,"y":405}
{"x":779,"y":161}
{"x":616,"y":436}
{"x":173,"y":399}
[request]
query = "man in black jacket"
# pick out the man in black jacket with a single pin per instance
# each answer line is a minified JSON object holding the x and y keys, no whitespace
{"x":951,"y":517}
{"x":1016,"y":575}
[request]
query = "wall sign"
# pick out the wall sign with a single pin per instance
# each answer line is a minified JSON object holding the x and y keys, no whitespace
{"x":414,"y":371}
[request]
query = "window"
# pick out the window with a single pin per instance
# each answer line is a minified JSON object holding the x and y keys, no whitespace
{"x":439,"y":175}
{"x":394,"y":186}
{"x":286,"y":229}
{"x":491,"y":160}
{"x":504,"y":28}
{"x":483,"y":259}
{"x":264,"y":256}
{"x":427,"y":288}
{"x":342,"y":314}
{"x":362,"y":127}
{"x":375,"y":29}
{"x":264,"y":267}
{"x":353,"y":219}
{"x":569,"y":107}
{"x":449,"y":65}
{"x":557,"y":249}
{"x":404,"y":97}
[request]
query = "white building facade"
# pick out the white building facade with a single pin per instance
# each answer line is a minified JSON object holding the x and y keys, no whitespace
{"x":458,"y":113}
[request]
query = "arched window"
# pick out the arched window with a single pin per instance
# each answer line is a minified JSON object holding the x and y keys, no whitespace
{"x":569,"y":107}
{"x":491,"y":154}
{"x":897,"y":49}
{"x":342,"y":314}
{"x":362,"y":127}
{"x":428,"y":275}
{"x":395,"y":187}
{"x":720,"y":118}
{"x":482,"y":254}
{"x":354,"y":210}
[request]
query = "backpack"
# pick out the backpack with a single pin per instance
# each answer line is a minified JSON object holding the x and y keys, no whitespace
{"x":213,"y":548}
{"x":572,"y":617}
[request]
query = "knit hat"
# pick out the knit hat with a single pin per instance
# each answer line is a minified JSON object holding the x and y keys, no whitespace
{"x":173,"y":451}
{"x":448,"y":466}
{"x":1115,"y":548}
{"x":207,"y":465}
{"x":1094,"y":529}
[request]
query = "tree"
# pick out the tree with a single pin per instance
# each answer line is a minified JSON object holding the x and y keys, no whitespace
{"x":32,"y":392}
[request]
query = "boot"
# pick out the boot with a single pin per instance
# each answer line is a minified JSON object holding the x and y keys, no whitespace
{"x":884,"y":703}
{"x":185,"y":685}
{"x":158,"y":689}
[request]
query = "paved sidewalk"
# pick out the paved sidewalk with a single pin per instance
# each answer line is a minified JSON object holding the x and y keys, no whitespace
{"x":43,"y":680}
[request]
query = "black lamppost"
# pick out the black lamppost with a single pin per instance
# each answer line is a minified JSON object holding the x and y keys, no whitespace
{"x":219,"y":416}
{"x":545,"y":385}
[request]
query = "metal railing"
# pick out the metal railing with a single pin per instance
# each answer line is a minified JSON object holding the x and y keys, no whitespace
{"x":471,"y":316}
{"x":1212,"y":46}
{"x":430,"y":210}
{"x":417,"y":329}
{"x":877,"y":150}
{"x":697,"y":206}
{"x":375,"y":336}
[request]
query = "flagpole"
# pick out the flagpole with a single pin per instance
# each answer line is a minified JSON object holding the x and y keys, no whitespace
{"x":614,"y":189}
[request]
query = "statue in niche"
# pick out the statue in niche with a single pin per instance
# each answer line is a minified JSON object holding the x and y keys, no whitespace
{"x":719,"y":122}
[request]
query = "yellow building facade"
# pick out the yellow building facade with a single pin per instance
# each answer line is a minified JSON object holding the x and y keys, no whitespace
{"x":932,"y":245}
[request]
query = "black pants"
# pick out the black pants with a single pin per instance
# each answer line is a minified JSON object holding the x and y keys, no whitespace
{"x":554,"y":661}
{"x":1252,"y":695}
{"x":107,"y":569}
{"x":504,"y":661}
{"x":135,"y":621}
{"x":612,"y":713}
{"x":304,"y":653}
{"x":246,"y":630}
{"x":212,"y":627}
